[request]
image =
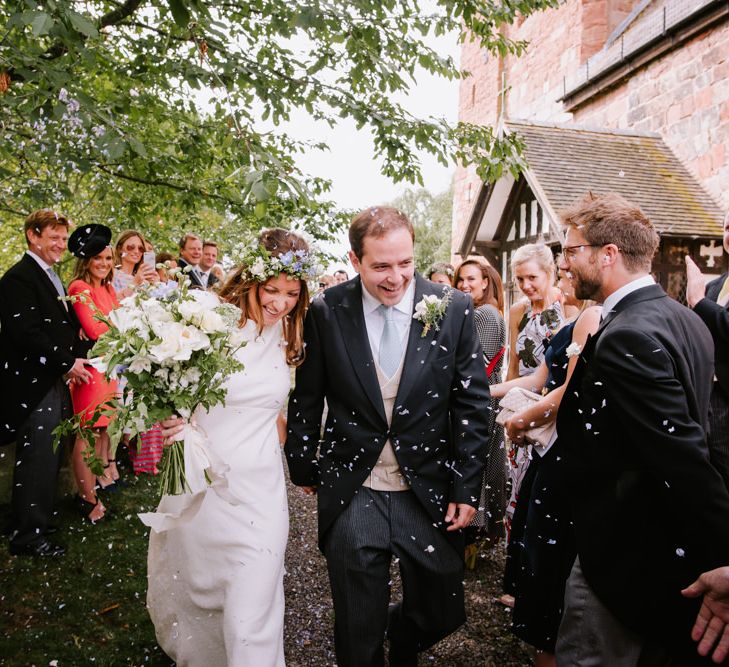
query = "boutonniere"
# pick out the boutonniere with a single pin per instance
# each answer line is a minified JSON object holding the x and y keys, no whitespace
{"x":573,"y":349}
{"x":431,"y":309}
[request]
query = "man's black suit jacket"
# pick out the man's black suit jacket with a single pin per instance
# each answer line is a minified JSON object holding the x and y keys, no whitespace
{"x":439,"y":427}
{"x":194,"y":278}
{"x":717,"y":319}
{"x":39,"y":342}
{"x":650,"y":512}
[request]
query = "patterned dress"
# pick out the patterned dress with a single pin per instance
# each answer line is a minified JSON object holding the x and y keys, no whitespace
{"x":535,"y":331}
{"x":491,"y":332}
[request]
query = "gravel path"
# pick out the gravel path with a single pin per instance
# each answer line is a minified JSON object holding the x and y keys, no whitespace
{"x":485,"y":640}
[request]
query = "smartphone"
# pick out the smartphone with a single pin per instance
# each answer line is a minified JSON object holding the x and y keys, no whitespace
{"x":149,"y":260}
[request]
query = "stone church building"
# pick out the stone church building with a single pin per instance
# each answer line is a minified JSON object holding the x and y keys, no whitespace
{"x":612,"y":95}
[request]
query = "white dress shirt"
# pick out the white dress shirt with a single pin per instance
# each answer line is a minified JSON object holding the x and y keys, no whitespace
{"x":402,"y":315}
{"x":619,"y":294}
{"x":40,"y":262}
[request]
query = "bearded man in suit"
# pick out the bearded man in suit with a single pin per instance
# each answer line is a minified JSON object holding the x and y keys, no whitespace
{"x":40,"y":350}
{"x":650,"y":511}
{"x":398,"y":470}
{"x":711,"y":303}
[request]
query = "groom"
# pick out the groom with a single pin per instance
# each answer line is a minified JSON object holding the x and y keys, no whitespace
{"x":399,"y":466}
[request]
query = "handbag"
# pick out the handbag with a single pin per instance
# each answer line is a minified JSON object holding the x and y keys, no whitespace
{"x":517,"y":399}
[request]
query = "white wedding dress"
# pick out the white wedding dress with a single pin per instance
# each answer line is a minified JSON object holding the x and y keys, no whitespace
{"x":215,"y":590}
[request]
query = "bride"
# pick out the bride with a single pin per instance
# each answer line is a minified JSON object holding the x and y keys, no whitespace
{"x":215,"y":589}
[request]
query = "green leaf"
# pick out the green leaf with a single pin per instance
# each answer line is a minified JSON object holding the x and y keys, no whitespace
{"x":137,"y":146}
{"x":180,"y":12}
{"x":116,"y":147}
{"x":41,"y":24}
{"x":82,"y":24}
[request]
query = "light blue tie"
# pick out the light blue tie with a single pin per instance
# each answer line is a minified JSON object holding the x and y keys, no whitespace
{"x":390,"y":344}
{"x":57,"y":284}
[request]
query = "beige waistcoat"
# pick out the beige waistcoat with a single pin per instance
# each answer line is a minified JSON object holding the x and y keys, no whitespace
{"x":386,"y":475}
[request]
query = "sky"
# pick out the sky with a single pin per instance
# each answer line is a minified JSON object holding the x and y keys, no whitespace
{"x":351,"y":164}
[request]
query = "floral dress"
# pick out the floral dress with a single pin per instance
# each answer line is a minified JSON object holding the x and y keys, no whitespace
{"x":535,"y":332}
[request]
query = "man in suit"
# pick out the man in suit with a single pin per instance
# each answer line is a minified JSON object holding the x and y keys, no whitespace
{"x":711,"y":303}
{"x":191,"y":252}
{"x":398,"y":470}
{"x":207,"y":262}
{"x":40,"y":350}
{"x":650,"y":512}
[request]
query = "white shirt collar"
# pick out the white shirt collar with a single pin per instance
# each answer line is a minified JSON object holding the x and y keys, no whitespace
{"x":40,"y":262}
{"x":370,"y":303}
{"x":619,"y":294}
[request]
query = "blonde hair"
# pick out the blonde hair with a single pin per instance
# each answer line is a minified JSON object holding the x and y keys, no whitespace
{"x":538,"y":253}
{"x":242,"y":290}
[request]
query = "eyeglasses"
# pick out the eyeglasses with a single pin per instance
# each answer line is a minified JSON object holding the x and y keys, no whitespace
{"x":570,"y":251}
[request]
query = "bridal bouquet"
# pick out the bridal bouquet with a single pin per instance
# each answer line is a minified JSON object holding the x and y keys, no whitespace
{"x":174,"y":348}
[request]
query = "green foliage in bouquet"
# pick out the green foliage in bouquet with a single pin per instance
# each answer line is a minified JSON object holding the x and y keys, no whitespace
{"x":174,"y":348}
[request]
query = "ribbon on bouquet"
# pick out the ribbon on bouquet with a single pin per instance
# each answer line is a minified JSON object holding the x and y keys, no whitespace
{"x":204,"y":470}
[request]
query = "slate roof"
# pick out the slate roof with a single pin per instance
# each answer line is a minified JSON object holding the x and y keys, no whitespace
{"x":568,"y":161}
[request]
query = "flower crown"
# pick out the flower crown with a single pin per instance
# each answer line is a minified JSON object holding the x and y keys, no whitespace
{"x":260,"y":264}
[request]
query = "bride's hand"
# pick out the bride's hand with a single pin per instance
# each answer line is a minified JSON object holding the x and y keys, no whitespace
{"x":170,"y":428}
{"x":308,"y":490}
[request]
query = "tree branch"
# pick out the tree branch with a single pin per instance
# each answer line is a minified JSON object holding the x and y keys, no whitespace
{"x":163,"y":184}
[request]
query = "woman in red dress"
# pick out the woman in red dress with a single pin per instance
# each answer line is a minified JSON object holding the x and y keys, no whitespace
{"x":92,"y":278}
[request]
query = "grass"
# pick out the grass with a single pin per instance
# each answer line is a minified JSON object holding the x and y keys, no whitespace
{"x":88,"y":606}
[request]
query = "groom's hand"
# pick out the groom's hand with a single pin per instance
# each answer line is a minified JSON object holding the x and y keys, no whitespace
{"x":459,"y":515}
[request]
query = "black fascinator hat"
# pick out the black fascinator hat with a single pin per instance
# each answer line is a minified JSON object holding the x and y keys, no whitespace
{"x":89,"y":240}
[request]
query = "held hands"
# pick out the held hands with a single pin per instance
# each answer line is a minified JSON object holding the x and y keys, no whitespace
{"x":78,"y":373}
{"x":170,"y":428}
{"x":459,"y":515}
{"x":695,"y":283}
{"x":711,"y":628}
{"x":516,"y":428}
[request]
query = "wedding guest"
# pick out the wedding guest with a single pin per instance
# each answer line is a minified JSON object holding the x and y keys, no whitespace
{"x":380,"y":474}
{"x":633,"y":421}
{"x":711,"y":303}
{"x":532,"y":322}
{"x":340,"y":276}
{"x":541,"y":547}
{"x":219,"y":274}
{"x":191,"y":252}
{"x":483,"y":283}
{"x":440,"y":272}
{"x":130,"y":270}
{"x":92,"y":279}
{"x":169,"y":261}
{"x":208,"y":278}
{"x":216,"y":592}
{"x":533,"y":319}
{"x":40,"y":351}
{"x":325,"y":282}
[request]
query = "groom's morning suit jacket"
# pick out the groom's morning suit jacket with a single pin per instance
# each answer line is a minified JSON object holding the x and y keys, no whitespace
{"x":39,"y":342}
{"x":439,"y":427}
{"x":650,"y":512}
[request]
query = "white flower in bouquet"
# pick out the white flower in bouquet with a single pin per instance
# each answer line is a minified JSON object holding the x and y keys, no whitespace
{"x":175,"y":348}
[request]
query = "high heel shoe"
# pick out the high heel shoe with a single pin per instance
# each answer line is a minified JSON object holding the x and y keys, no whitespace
{"x":85,"y":508}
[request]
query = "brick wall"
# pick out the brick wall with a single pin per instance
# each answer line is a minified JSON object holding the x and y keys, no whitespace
{"x":684,"y":96}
